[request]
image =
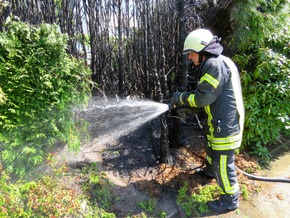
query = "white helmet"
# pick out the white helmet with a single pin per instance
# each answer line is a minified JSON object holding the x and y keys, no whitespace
{"x":197,"y":40}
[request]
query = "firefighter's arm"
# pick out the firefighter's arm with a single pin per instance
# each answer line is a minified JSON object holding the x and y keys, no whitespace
{"x":208,"y":89}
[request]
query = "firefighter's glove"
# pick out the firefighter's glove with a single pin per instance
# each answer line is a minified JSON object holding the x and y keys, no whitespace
{"x":176,"y":99}
{"x":180,"y":99}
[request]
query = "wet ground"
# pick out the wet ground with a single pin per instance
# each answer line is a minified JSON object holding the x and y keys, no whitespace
{"x":274,"y":198}
{"x":130,"y":162}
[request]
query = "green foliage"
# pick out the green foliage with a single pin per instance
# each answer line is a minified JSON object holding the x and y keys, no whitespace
{"x":49,"y":196}
{"x":11,"y":200}
{"x":40,"y":86}
{"x":163,"y":214}
{"x":98,"y":190}
{"x":245,"y":192}
{"x":196,"y":203}
{"x":262,"y":39}
{"x":255,"y":21}
{"x":2,"y":96}
{"x":148,"y":206}
{"x":45,"y":197}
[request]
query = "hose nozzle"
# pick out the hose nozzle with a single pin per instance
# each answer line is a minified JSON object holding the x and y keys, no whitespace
{"x":171,"y":106}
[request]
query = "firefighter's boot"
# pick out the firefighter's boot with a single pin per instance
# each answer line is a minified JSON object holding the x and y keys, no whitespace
{"x":226,"y":203}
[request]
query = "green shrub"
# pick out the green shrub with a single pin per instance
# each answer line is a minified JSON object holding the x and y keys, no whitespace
{"x":11,"y":199}
{"x":46,"y":197}
{"x":262,"y":39}
{"x":42,"y":85}
{"x":267,"y":111}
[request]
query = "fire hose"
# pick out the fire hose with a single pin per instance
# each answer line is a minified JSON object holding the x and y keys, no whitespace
{"x":262,"y":178}
{"x":254,"y":177}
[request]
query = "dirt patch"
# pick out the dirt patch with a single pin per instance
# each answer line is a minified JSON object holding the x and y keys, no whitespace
{"x":131,"y":162}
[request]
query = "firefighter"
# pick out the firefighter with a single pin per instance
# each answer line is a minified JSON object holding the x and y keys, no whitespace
{"x":219,"y":92}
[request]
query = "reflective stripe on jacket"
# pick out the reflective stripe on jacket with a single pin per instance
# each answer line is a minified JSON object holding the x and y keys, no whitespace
{"x":219,"y":92}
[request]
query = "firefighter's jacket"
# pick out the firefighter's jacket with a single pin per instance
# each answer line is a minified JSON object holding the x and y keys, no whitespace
{"x":219,"y":93}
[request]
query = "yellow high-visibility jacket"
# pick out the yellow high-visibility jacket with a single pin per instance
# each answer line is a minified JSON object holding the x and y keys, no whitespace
{"x":219,"y":92}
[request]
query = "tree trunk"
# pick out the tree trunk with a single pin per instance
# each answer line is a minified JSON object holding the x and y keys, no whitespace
{"x":165,"y":156}
{"x":120,"y":51}
{"x":182,"y":78}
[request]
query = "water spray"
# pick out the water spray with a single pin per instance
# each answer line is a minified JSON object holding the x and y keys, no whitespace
{"x":120,"y":117}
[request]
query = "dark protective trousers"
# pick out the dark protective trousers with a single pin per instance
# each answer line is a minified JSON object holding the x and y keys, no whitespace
{"x":222,"y":163}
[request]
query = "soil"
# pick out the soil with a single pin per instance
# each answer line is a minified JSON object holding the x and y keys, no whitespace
{"x":131,"y":163}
